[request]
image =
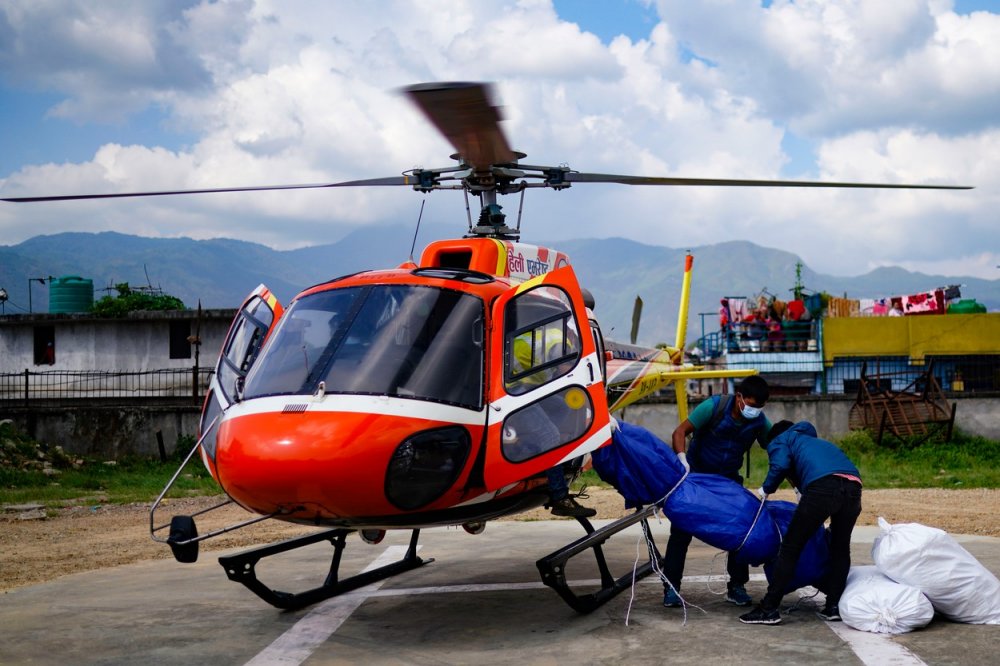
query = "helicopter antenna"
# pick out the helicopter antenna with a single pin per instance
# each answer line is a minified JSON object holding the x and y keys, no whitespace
{"x":417,"y":230}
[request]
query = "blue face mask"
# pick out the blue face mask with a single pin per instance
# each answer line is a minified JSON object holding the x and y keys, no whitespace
{"x":750,"y":412}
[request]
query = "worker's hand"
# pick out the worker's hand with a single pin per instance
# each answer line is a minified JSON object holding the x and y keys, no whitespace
{"x":683,"y":457}
{"x":614,"y":425}
{"x":761,"y":494}
{"x":798,"y":495}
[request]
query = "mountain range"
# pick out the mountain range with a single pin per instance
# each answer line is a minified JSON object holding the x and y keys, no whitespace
{"x":221,"y":272}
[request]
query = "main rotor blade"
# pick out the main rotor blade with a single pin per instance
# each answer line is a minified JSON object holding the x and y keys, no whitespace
{"x":392,"y":180}
{"x":465,"y":115}
{"x":575,"y":177}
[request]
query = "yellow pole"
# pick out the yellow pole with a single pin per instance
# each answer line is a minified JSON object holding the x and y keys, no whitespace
{"x":680,"y":385}
{"x":680,"y":390}
{"x":682,"y":315}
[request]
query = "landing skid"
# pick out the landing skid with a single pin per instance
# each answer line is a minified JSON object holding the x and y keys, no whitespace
{"x":241,"y":568}
{"x":553,"y":566}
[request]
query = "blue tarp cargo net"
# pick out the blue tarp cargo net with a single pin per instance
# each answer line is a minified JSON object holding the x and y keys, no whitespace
{"x":716,"y":510}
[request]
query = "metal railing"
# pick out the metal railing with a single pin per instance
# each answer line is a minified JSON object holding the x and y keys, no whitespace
{"x":955,"y":374}
{"x":959,"y":373}
{"x":748,"y":337}
{"x":57,"y":387}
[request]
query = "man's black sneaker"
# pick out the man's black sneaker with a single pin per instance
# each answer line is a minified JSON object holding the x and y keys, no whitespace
{"x":830,"y":614}
{"x":568,"y":506}
{"x":760,"y":616}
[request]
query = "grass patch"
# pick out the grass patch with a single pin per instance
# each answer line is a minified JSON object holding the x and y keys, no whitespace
{"x":33,"y":473}
{"x":96,"y":482}
{"x":591,"y":480}
{"x":967,"y":461}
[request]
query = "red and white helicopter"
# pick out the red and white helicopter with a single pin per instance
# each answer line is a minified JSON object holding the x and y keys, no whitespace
{"x":394,"y":399}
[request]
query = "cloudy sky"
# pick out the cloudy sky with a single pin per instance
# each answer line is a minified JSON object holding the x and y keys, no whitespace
{"x":109,"y":96}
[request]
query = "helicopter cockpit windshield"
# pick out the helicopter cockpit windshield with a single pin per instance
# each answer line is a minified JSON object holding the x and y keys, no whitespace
{"x":396,"y":340}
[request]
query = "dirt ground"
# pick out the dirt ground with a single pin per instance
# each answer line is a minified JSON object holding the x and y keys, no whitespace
{"x":85,"y":537}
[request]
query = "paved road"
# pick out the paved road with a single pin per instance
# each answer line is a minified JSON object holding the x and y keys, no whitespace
{"x":479,"y":602}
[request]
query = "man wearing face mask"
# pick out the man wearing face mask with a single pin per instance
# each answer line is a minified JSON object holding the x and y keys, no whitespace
{"x":722,"y":430}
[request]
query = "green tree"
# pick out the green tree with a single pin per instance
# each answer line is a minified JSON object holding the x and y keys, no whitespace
{"x":131,"y":300}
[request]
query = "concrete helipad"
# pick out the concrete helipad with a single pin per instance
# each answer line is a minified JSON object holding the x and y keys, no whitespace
{"x":479,"y":602}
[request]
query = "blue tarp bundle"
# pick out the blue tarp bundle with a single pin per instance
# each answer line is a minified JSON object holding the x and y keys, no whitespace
{"x":640,"y":466}
{"x":721,"y":512}
{"x":714,"y":509}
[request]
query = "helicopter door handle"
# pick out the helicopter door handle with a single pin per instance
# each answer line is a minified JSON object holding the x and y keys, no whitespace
{"x":590,"y":366}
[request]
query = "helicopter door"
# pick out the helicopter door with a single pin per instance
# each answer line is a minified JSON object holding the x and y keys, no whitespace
{"x":546,"y":392}
{"x":254,"y":321}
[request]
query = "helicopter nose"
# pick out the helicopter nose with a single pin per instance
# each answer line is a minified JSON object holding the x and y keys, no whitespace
{"x":338,"y":466}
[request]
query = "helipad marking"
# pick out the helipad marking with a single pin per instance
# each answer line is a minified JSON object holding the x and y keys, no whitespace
{"x":298,"y":643}
{"x":504,"y":587}
{"x":875,"y":649}
{"x":871,"y":648}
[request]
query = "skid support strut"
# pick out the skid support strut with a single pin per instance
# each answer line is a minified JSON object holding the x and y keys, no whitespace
{"x":553,"y":566}
{"x":241,"y":568}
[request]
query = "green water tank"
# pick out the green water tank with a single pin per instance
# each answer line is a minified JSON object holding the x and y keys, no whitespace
{"x":71,"y":293}
{"x":966,"y":306}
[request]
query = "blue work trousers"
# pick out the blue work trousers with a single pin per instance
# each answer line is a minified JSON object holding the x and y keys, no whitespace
{"x":673,"y":561}
{"x":558,"y":487}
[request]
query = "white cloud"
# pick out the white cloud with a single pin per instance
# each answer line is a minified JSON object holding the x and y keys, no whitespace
{"x":837,"y":66}
{"x":280,"y":92}
{"x":985,"y":265}
{"x":109,"y":58}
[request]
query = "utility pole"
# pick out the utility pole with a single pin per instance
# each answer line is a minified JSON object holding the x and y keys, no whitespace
{"x":40,"y":280}
{"x":196,"y":341}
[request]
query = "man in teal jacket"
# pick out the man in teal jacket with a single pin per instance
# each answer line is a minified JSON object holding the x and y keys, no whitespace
{"x":722,"y":429}
{"x":830,"y":487}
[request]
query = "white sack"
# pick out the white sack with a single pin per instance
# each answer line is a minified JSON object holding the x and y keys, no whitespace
{"x":927,"y":558}
{"x":873,"y":602}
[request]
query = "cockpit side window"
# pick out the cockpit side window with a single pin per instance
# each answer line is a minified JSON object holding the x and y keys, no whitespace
{"x":541,"y":339}
{"x":244,"y":343}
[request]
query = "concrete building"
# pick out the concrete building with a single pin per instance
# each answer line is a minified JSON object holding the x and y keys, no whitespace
{"x":138,"y":342}
{"x":964,"y":350}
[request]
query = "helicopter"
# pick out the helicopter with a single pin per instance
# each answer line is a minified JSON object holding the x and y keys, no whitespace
{"x":424,"y":395}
